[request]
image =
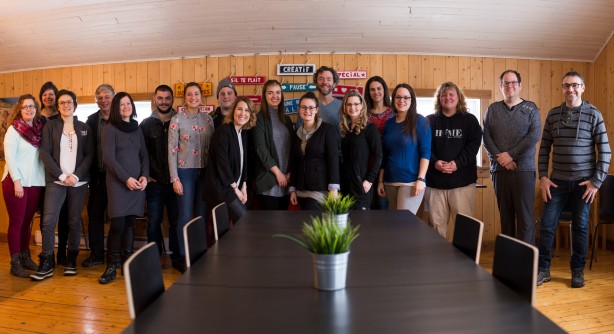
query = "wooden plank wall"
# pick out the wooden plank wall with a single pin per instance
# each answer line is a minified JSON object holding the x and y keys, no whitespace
{"x":541,"y":84}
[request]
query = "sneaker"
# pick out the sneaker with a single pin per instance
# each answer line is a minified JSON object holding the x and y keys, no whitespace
{"x":577,"y":278}
{"x":45,"y":268}
{"x":92,"y":261}
{"x":70,"y":265}
{"x":543,"y":276}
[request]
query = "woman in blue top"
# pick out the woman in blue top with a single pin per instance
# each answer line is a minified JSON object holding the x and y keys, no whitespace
{"x":406,"y":145}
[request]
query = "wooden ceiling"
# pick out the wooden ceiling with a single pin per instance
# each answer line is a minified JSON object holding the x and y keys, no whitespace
{"x":53,"y":33}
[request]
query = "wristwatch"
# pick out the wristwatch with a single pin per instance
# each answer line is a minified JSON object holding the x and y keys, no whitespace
{"x":421,"y":179}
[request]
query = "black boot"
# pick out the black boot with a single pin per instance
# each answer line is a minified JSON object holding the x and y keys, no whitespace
{"x":70,"y":267}
{"x":26,"y":260}
{"x":114,"y":244}
{"x":17,"y":268}
{"x":45,"y":268}
{"x":127,"y":243}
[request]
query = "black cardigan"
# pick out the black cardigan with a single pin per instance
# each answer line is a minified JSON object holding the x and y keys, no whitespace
{"x":319,"y":167}
{"x":224,"y":165}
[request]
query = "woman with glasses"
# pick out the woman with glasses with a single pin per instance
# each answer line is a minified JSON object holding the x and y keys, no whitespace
{"x":272,"y":138}
{"x":406,"y":146}
{"x":22,"y":180}
{"x":456,"y":138}
{"x":125,"y":157}
{"x":227,"y":173}
{"x":189,"y":135}
{"x":380,"y":111}
{"x":314,"y":157}
{"x":361,"y":150}
{"x":67,"y":151}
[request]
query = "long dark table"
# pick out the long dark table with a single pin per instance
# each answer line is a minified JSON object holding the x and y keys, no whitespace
{"x":402,"y":278}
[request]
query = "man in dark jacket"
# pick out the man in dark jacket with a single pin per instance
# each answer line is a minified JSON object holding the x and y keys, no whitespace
{"x":159,"y":190}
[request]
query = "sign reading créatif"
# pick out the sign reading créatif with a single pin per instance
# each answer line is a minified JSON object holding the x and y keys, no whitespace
{"x":291,"y":106}
{"x":296,"y":69}
{"x":256,"y":99}
{"x":207,"y":108}
{"x":352,"y":74}
{"x":297,"y":87}
{"x":340,"y":90}
{"x":205,"y":87}
{"x":247,"y":80}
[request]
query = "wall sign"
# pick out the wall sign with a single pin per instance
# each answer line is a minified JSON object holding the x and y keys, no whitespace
{"x":352,"y":74}
{"x":291,"y":106}
{"x":256,"y":99}
{"x":205,"y":87}
{"x":340,"y":90}
{"x":207,"y":108}
{"x":296,"y":69}
{"x":247,"y":80}
{"x":298,"y":87}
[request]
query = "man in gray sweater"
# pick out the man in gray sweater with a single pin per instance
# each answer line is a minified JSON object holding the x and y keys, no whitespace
{"x":511,"y":131}
{"x":572,"y":131}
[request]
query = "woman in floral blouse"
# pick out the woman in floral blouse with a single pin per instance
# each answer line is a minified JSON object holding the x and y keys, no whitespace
{"x":189,"y":135}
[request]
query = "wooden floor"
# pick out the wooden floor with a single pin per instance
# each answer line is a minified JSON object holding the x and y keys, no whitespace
{"x":80,"y":305}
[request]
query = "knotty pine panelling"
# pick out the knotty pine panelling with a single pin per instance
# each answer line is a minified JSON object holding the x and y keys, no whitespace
{"x":541,"y":83}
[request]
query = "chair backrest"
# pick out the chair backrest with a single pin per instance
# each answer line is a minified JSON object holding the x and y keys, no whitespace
{"x":144,"y":282}
{"x":606,"y":200}
{"x":195,"y":240}
{"x":220,"y":220}
{"x":515,"y":264}
{"x":467,"y":237}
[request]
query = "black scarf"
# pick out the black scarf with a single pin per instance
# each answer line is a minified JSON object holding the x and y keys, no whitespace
{"x":127,"y":127}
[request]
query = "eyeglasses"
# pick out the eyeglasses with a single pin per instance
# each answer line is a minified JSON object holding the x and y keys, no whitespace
{"x":572,"y":85}
{"x":66,"y":103}
{"x":404,"y":98}
{"x":28,"y":107}
{"x":509,"y":83}
{"x":310,"y":108}
{"x":355,"y":105}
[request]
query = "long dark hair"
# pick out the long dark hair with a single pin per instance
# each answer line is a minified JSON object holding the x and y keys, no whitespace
{"x":264,"y":106}
{"x":409,"y":125}
{"x":368,"y":98}
{"x":115,"y":116}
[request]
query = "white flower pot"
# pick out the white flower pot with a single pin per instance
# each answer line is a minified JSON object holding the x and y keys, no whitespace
{"x":330,"y":271}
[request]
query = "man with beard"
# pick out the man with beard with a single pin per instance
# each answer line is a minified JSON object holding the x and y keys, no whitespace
{"x":226,"y":96}
{"x":97,"y":202}
{"x":326,"y":79}
{"x":159,"y":189}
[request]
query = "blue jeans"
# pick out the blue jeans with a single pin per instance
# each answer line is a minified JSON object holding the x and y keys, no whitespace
{"x":567,"y":191}
{"x":160,"y":196}
{"x":191,"y":203}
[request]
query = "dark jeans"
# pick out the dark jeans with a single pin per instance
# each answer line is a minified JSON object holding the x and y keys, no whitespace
{"x":55,"y":195}
{"x":160,"y":196}
{"x":96,"y":213}
{"x":308,"y":203}
{"x":191,"y":203}
{"x":567,"y":191}
{"x":515,"y":193}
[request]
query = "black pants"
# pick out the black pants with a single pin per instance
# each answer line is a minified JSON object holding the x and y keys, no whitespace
{"x":515,"y":193}
{"x":96,"y":207}
{"x":273,"y":203}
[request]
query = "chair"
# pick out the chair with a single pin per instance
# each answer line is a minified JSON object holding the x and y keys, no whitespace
{"x":467,"y":236}
{"x":195,"y":240}
{"x":144,"y":282}
{"x":220,"y":220}
{"x":515,"y":264}
{"x":606,"y":210}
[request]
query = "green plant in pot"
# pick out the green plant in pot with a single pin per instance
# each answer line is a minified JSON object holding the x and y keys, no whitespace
{"x":338,"y":206}
{"x":329,"y":245}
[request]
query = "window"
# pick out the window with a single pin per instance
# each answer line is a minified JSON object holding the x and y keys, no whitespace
{"x":425,"y":107}
{"x":143,"y":110}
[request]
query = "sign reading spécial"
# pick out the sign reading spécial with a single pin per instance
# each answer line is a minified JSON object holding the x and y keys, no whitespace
{"x":296,"y":69}
{"x":352,"y":74}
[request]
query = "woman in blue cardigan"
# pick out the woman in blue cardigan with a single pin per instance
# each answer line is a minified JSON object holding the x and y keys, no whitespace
{"x":406,"y":146}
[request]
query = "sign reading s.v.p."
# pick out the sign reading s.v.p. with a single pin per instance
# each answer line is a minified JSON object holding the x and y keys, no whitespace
{"x":296,"y":69}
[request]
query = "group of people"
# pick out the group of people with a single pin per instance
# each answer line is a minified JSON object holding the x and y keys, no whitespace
{"x":375,"y":147}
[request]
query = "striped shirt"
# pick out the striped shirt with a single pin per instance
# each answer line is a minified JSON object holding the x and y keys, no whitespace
{"x":573,"y":135}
